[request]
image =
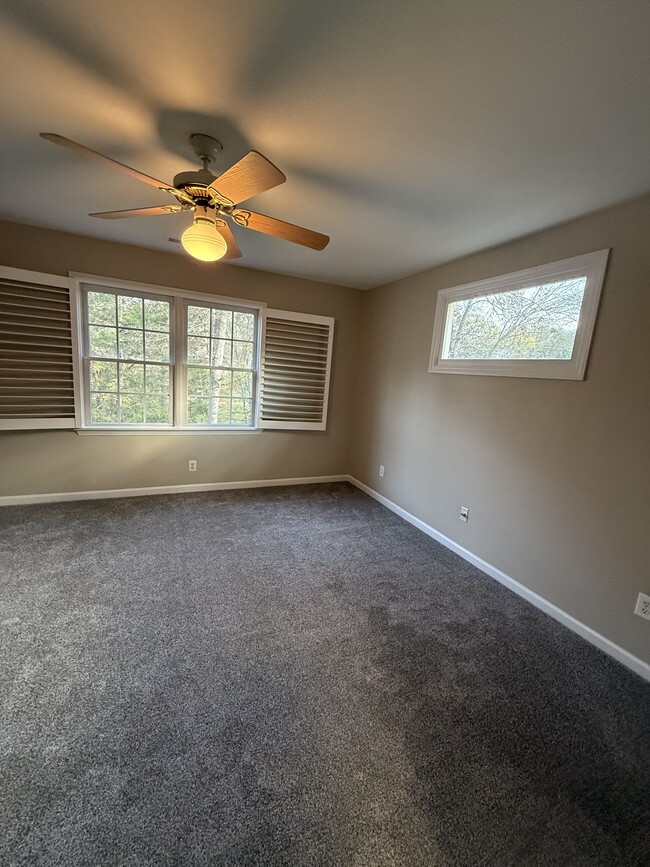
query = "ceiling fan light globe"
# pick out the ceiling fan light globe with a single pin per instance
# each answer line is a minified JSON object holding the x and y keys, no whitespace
{"x":202,"y":241}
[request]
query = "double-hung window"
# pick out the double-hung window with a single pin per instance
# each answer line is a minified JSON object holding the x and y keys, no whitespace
{"x":166,"y":360}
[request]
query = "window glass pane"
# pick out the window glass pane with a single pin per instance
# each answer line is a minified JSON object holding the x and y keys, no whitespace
{"x":103,"y":341}
{"x":242,"y":355}
{"x":101,"y":308}
{"x":156,"y":315}
{"x":198,"y":350}
{"x":243,"y":326}
{"x":132,"y":408}
{"x":220,"y":410}
{"x":197,"y":410}
{"x":221,"y":353}
{"x":242,"y":384}
{"x":129,"y":311}
{"x":242,"y":411}
{"x":103,"y":376}
{"x":131,"y":344}
{"x":132,"y":377}
{"x":538,"y":322}
{"x":198,"y":381}
{"x":156,"y":346}
{"x":103,"y":408}
{"x":221,"y":383}
{"x":222,"y":323}
{"x":157,"y":409}
{"x":198,"y":321}
{"x":157,"y":379}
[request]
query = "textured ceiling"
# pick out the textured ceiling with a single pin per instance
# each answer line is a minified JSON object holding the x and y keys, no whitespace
{"x":412,"y":133}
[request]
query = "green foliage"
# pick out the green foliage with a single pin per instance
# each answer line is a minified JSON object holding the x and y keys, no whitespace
{"x":132,"y":408}
{"x":156,"y":315}
{"x":157,"y":409}
{"x":103,"y":408}
{"x":198,"y":381}
{"x":198,"y":350}
{"x":198,"y":321}
{"x":156,"y":346}
{"x":129,"y":312}
{"x":157,"y":379}
{"x":198,"y":410}
{"x":131,"y":344}
{"x":101,"y":308}
{"x":242,"y":411}
{"x":103,"y":376}
{"x":103,"y":341}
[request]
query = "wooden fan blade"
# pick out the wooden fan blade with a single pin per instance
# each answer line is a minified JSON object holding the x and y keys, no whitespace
{"x":94,"y":155}
{"x":138,"y":212}
{"x":234,"y":251}
{"x":280,"y":229}
{"x":251,"y":175}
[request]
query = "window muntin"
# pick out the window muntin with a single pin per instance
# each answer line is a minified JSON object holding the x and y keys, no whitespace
{"x":534,"y":323}
{"x":164,"y":361}
{"x":221,"y":365}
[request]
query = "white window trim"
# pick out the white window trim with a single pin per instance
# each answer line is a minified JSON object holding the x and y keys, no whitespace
{"x":590,"y":265}
{"x":83,"y":425}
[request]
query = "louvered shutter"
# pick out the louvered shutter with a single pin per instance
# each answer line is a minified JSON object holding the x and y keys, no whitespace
{"x":36,"y":365}
{"x":295,"y":370}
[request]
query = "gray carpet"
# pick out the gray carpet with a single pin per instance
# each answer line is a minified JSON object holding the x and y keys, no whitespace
{"x":295,"y":676}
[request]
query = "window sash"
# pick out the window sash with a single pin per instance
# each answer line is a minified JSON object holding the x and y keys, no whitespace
{"x":185,"y":365}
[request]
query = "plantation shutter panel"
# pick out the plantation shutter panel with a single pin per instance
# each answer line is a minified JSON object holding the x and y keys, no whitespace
{"x":295,"y":374}
{"x":36,"y":364}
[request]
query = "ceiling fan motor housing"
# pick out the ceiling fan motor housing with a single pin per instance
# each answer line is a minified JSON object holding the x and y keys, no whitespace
{"x":195,"y":183}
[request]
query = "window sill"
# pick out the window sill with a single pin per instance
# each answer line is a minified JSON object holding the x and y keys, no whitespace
{"x":178,"y":431}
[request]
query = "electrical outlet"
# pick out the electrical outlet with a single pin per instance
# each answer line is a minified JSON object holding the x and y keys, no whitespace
{"x":464,"y":514}
{"x":643,"y":606}
{"x":192,"y":466}
{"x":381,"y":472}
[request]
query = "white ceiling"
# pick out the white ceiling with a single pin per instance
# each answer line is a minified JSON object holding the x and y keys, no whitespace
{"x":411,"y":132}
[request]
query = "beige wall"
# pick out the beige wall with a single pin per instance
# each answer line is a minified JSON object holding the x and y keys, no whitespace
{"x":62,"y":461}
{"x":556,"y":473}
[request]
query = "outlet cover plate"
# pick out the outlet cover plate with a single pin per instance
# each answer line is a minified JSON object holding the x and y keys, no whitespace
{"x":642,"y":607}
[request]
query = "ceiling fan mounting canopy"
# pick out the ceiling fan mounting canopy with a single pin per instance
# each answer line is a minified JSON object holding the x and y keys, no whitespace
{"x":211,"y":196}
{"x":205,"y":147}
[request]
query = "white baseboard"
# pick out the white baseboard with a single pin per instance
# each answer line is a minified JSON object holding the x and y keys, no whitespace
{"x":68,"y":496}
{"x":614,"y":650}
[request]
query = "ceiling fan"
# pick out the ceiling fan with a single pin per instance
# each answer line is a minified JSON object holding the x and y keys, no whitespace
{"x":210,"y":198}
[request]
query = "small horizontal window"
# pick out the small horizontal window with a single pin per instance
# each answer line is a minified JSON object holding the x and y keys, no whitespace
{"x":535,"y":323}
